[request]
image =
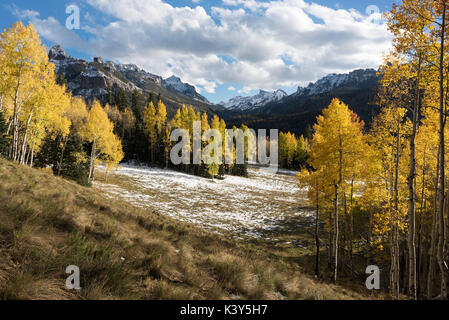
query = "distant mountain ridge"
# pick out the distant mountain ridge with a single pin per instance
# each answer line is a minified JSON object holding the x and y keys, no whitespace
{"x":250,"y":103}
{"x":299,"y":110}
{"x":94,"y":80}
{"x":355,"y":79}
{"x":174,"y":83}
{"x":265,"y":102}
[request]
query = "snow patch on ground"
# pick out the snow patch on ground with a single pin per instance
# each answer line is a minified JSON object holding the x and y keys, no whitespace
{"x":245,"y":206}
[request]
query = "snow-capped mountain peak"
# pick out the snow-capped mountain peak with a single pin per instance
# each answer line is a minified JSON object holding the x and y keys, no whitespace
{"x":253,"y":102}
{"x":57,"y":53}
{"x":174,"y":83}
{"x":333,"y":81}
{"x":356,"y":79}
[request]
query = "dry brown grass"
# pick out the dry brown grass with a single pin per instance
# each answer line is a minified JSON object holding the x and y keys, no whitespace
{"x":47,"y":223}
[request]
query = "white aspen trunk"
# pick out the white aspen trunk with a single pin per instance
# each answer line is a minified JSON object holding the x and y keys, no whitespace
{"x":14,"y":151}
{"x":66,"y":140}
{"x":92,"y":164}
{"x":335,"y":235}
{"x":24,"y":142}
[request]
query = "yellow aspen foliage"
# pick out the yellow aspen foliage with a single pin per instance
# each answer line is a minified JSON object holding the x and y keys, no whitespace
{"x":336,"y":149}
{"x":149,"y":118}
{"x":214,"y":160}
{"x":161,"y":117}
{"x":250,"y":144}
{"x":27,"y":79}
{"x":99,"y":130}
{"x":114,"y":114}
{"x":337,"y":143}
{"x":128,"y":121}
{"x":77,"y":113}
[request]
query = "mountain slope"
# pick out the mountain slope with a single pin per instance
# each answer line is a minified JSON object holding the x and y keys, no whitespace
{"x":94,"y":79}
{"x":248,"y":104}
{"x":175,"y":84}
{"x":300,"y":109}
{"x":47,"y":224}
{"x":356,"y":79}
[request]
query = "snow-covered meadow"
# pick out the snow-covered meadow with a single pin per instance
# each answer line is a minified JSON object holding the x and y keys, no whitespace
{"x":254,"y":206}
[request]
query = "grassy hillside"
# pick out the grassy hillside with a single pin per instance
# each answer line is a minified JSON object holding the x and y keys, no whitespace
{"x":47,"y":223}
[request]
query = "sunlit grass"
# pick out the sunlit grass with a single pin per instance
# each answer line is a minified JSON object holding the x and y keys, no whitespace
{"x":125,"y":252}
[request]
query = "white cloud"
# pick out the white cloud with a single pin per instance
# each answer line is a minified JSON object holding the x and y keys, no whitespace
{"x":207,"y":85}
{"x":51,"y":29}
{"x":23,"y":14}
{"x":259,"y":36}
{"x":245,"y":90}
{"x":231,"y":88}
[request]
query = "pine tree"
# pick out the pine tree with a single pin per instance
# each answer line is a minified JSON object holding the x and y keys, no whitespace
{"x":135,"y":100}
{"x":151,"y":98}
{"x":60,"y":79}
{"x":75,"y":164}
{"x":110,"y":98}
{"x":120,"y":99}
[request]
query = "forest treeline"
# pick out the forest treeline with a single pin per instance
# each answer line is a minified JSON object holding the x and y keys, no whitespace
{"x":383,"y":193}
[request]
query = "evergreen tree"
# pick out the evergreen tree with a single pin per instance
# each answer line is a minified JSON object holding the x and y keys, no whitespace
{"x":308,"y":132}
{"x":120,"y":99}
{"x":135,"y":100}
{"x":110,"y":98}
{"x":75,"y":165}
{"x":151,"y":98}
{"x":60,"y":79}
{"x":49,"y":154}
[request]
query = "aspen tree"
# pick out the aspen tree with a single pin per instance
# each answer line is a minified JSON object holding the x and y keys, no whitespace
{"x":99,"y":130}
{"x":410,"y":23}
{"x":314,"y":182}
{"x":336,"y":145}
{"x":149,"y":118}
{"x":25,"y":65}
{"x":77,"y":115}
{"x":386,"y":188}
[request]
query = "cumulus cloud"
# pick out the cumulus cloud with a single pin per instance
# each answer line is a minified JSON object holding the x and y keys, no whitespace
{"x":269,"y":44}
{"x":51,"y":29}
{"x":231,"y":88}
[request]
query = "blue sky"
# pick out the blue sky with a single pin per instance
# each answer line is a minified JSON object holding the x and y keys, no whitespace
{"x":223,"y":47}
